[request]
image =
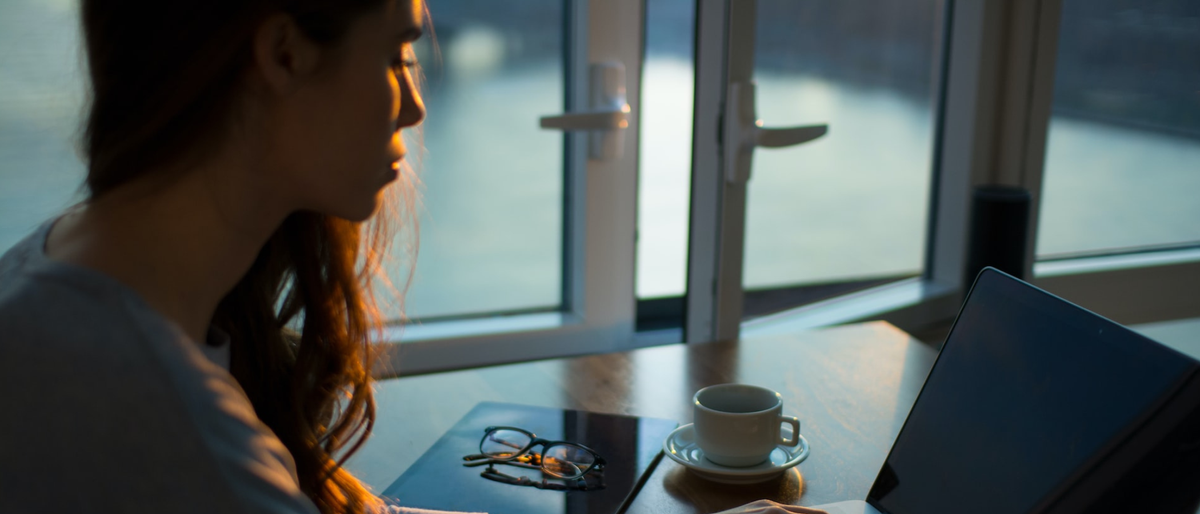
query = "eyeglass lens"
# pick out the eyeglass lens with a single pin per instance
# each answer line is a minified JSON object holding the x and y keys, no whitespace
{"x":567,"y":461}
{"x":504,"y":443}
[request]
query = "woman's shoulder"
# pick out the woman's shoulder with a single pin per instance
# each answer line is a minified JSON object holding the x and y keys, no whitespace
{"x":67,"y":313}
{"x":105,"y":381}
{"x":82,"y":335}
{"x":78,"y":332}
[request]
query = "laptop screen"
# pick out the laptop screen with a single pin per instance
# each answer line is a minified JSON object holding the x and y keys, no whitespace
{"x":1026,"y":389}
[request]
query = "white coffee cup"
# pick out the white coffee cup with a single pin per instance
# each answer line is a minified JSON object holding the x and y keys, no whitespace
{"x":738,"y":425}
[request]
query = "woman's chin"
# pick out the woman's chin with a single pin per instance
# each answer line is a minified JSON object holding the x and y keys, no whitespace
{"x":361,"y":210}
{"x":368,"y":212}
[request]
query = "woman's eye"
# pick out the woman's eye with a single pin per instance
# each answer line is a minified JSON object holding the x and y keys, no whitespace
{"x":403,"y":59}
{"x":401,"y":62}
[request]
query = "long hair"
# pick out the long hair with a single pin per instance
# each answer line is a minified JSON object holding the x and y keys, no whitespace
{"x":165,"y":81}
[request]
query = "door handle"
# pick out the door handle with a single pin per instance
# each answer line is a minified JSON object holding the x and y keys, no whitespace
{"x":607,"y":117}
{"x":743,"y":132}
{"x":592,"y":120}
{"x":791,"y":136}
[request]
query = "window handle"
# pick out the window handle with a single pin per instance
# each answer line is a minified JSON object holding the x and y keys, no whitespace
{"x":743,"y":132}
{"x":591,"y":120}
{"x":607,"y":117}
{"x":791,"y":136}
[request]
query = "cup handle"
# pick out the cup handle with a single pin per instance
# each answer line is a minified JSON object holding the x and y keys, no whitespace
{"x":795,"y":423}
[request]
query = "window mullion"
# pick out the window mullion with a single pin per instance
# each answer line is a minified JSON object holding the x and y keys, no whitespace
{"x":575,"y":161}
{"x":999,"y":81}
{"x":703,"y":240}
{"x":1031,"y":86}
{"x":724,"y":55}
{"x":610,"y":184}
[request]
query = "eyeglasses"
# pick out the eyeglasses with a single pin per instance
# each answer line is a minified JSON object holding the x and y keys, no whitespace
{"x":559,"y":459}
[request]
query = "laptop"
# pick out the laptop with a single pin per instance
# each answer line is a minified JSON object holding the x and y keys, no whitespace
{"x":1035,"y":405}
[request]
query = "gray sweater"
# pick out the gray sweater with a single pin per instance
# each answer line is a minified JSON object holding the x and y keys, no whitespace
{"x":109,"y":407}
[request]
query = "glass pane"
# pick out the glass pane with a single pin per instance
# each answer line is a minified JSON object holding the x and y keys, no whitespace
{"x":491,"y":227}
{"x":853,"y":205}
{"x":665,"y":151}
{"x":41,"y":97}
{"x":1123,"y":151}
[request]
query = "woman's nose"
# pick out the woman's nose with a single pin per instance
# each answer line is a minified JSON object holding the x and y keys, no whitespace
{"x":412,"y":107}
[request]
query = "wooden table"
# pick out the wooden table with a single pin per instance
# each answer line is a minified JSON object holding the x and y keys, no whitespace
{"x":851,"y":387}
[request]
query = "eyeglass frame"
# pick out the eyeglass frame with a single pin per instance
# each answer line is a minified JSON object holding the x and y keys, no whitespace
{"x":597,"y":464}
{"x":579,"y":483}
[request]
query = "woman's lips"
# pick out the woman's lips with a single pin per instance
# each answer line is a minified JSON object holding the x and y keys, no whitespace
{"x":395,"y":160}
{"x":392,"y":171}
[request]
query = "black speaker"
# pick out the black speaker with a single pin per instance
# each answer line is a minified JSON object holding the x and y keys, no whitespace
{"x":999,"y":231}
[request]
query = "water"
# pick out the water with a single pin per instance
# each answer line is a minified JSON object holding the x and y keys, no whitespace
{"x":1110,"y":187}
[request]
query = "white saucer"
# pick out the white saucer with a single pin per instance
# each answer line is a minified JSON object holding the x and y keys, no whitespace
{"x":681,"y":447}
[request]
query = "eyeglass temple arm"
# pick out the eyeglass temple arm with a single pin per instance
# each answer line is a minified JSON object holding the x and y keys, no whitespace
{"x":490,"y":463}
{"x":580,"y":484}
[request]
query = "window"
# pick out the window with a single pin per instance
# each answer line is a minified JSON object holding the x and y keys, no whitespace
{"x":582,"y":294}
{"x":851,"y":208}
{"x":492,"y":213}
{"x":842,"y":102}
{"x":41,"y":95}
{"x":842,"y":213}
{"x":1124,"y":139}
{"x":1091,"y":107}
{"x":541,"y":244}
{"x":524,"y":231}
{"x":1117,"y":227}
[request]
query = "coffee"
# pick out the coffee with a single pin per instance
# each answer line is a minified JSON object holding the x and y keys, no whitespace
{"x":738,"y":425}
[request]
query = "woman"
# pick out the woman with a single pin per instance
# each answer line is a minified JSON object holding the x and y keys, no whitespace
{"x":235,"y":150}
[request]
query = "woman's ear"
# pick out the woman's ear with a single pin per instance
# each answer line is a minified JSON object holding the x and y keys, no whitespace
{"x":283,"y":55}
